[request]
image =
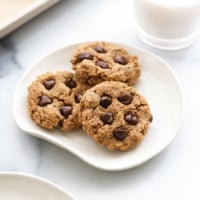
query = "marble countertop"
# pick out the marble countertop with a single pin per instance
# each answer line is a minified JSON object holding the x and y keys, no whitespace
{"x":173,"y":174}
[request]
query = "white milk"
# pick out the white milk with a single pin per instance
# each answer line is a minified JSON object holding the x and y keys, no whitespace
{"x":168,"y":24}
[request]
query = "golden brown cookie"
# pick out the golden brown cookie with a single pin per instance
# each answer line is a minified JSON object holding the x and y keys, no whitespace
{"x":53,"y":100}
{"x":115,"y":115}
{"x":101,"y":61}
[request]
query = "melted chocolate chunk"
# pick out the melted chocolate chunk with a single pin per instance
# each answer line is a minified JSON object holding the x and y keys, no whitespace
{"x":100,"y":49}
{"x":107,"y":118}
{"x":102,"y":64}
{"x":70,"y":83}
{"x":105,"y":101}
{"x":151,"y":119}
{"x":66,"y":110}
{"x":131,"y":119}
{"x":48,"y":84}
{"x":60,"y":124}
{"x":44,"y":100}
{"x":125,"y":98}
{"x":120,"y":59}
{"x":77,"y":97}
{"x":85,"y":55}
{"x":120,"y":133}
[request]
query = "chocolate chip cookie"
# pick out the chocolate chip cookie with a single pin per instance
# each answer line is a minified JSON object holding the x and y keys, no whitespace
{"x":115,"y":115}
{"x":101,"y":61}
{"x":53,"y":100}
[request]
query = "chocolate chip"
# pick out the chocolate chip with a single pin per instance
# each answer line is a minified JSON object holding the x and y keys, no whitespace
{"x":44,"y":100}
{"x":60,"y":124}
{"x":100,"y":49}
{"x":70,"y":83}
{"x":85,"y":55}
{"x":131,"y":119}
{"x":107,"y":118}
{"x":120,"y":133}
{"x":120,"y":59}
{"x":77,"y":97}
{"x":48,"y":84}
{"x":125,"y":98}
{"x":102,"y":64}
{"x":105,"y":101}
{"x":151,"y":119}
{"x":66,"y":110}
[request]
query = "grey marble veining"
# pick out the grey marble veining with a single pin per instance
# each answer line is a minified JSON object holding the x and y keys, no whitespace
{"x":8,"y":46}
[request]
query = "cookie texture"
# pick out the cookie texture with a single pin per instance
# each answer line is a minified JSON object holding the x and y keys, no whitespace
{"x":115,"y":115}
{"x":53,"y":100}
{"x":101,"y":61}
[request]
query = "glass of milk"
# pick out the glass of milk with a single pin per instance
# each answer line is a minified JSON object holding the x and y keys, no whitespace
{"x":167,"y":24}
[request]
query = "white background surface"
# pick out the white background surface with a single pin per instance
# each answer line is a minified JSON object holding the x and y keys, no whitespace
{"x":174,"y":174}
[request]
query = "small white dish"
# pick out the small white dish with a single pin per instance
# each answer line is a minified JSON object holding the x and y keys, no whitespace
{"x":21,"y":186}
{"x":157,"y":83}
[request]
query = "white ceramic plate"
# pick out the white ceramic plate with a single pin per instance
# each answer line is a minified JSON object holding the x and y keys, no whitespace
{"x":20,"y":186}
{"x":157,"y":83}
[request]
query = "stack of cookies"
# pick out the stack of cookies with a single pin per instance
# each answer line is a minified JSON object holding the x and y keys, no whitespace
{"x":98,"y":97}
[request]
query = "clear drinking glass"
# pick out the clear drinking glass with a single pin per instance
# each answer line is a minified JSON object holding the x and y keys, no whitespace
{"x":167,"y":24}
